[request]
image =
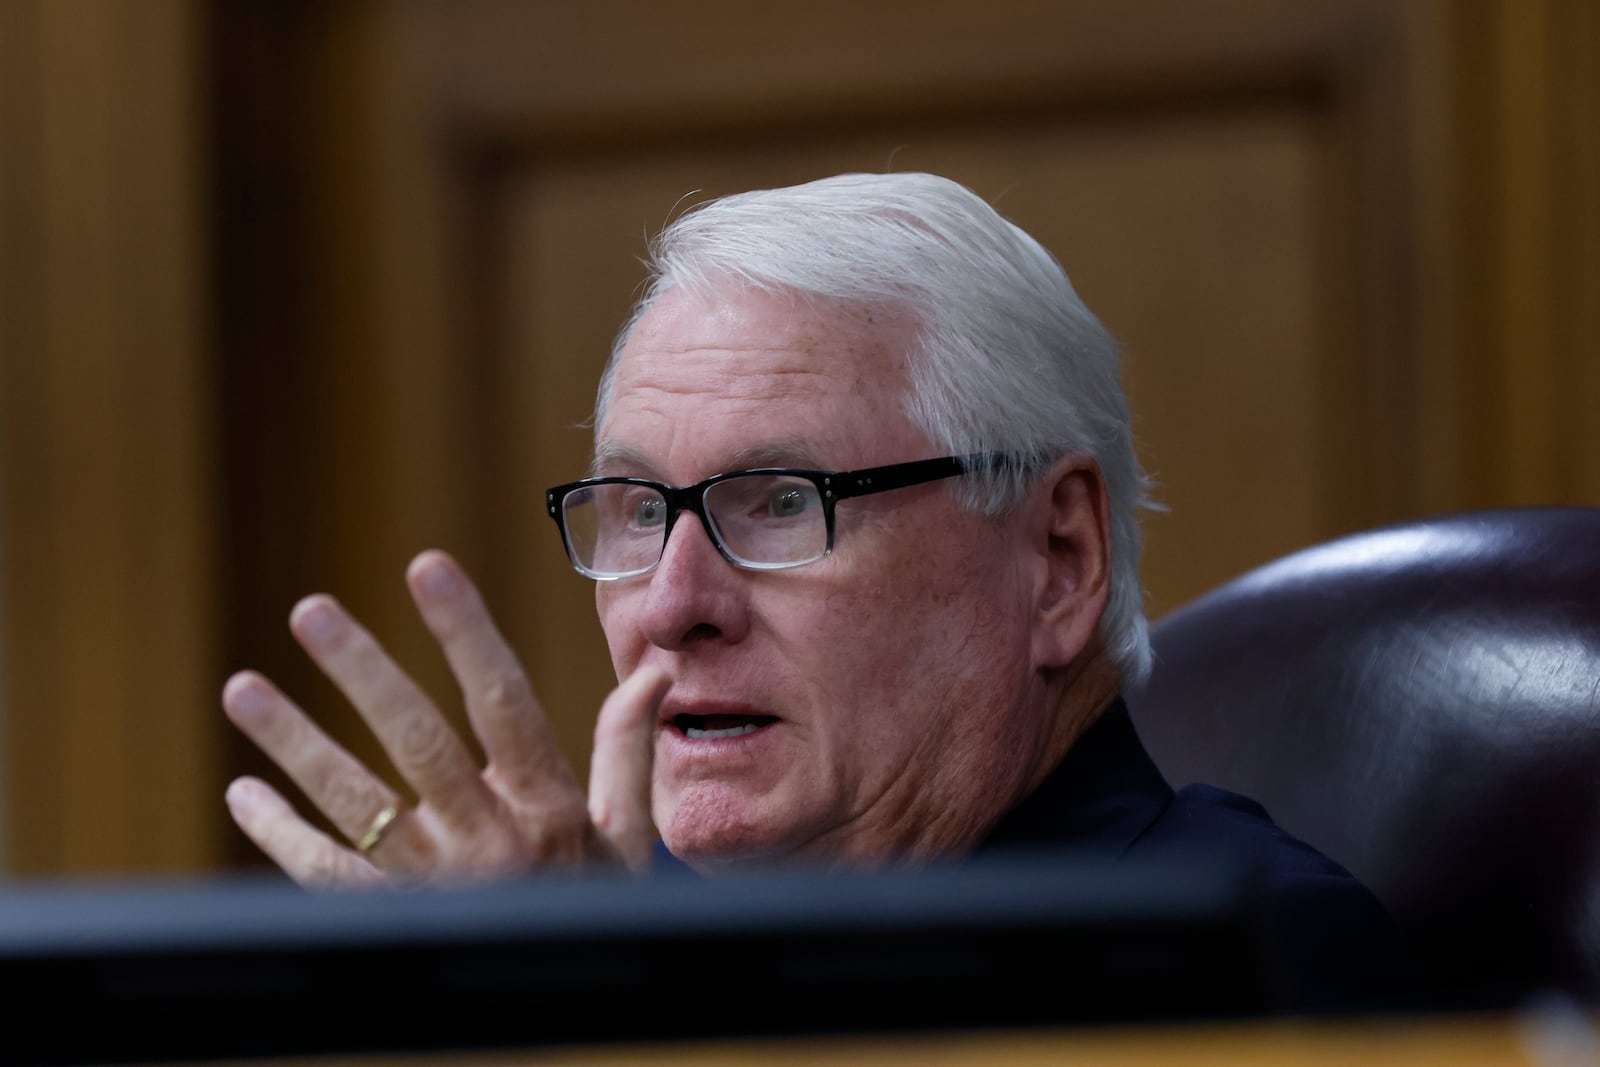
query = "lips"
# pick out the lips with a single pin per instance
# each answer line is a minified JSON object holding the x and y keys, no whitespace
{"x":706,"y":722}
{"x":705,"y":727}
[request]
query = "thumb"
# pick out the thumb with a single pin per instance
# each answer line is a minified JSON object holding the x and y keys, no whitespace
{"x":624,"y":753}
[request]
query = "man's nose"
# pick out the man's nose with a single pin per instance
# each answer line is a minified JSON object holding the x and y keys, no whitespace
{"x":694,"y":594}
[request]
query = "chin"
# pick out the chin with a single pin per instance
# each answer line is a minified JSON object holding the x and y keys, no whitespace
{"x":715,"y":829}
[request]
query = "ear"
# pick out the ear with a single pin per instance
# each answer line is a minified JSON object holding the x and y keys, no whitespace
{"x":1073,"y":531}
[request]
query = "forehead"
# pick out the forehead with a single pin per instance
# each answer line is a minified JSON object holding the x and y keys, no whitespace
{"x":706,"y":380}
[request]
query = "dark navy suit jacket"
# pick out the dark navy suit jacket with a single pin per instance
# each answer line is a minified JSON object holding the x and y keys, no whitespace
{"x":1330,"y":944}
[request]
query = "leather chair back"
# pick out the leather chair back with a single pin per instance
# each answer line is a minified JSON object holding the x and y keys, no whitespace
{"x":1422,"y":703}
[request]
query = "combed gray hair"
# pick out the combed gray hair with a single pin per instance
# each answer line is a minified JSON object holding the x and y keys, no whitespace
{"x":1007,"y":358}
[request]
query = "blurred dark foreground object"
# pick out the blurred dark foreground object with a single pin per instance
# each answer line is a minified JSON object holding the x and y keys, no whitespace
{"x":233,"y":969}
{"x":1421,"y":703}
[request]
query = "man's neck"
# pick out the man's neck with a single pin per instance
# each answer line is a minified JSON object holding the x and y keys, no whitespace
{"x":1087,"y":687}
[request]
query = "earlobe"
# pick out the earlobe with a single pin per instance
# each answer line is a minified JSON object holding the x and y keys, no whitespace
{"x":1074,"y":535}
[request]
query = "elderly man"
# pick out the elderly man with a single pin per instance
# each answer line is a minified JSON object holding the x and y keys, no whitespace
{"x":862,"y":519}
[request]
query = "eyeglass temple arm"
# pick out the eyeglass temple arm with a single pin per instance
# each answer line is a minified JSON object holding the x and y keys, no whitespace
{"x":899,"y":475}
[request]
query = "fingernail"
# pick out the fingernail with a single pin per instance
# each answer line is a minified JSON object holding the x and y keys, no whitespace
{"x":313,"y":618}
{"x":240,"y":795}
{"x":436,"y":578}
{"x":245,"y":695}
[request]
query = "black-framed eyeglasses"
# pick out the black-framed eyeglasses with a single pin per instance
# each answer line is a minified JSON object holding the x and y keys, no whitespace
{"x":764,"y":518}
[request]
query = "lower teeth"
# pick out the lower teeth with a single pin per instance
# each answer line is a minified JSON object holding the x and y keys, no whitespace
{"x":695,"y":733}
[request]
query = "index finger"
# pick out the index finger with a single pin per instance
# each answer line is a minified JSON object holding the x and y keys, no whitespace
{"x":624,"y":756}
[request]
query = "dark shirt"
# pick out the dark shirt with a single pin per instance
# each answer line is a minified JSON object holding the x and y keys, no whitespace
{"x":1328,"y":942}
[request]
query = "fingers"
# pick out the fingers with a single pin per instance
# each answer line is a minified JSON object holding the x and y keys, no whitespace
{"x":624,"y":753}
{"x":525,"y":809}
{"x":306,"y":854}
{"x":341,"y":788}
{"x":524,"y":757}
{"x":421,"y":744}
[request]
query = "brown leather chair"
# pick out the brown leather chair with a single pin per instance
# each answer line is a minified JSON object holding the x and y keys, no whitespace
{"x":1422,"y":703}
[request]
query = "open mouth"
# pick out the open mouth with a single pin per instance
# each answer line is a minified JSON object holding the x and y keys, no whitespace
{"x":710,"y":727}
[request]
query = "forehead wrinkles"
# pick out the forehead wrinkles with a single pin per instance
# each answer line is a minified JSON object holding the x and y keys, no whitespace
{"x":725,"y":373}
{"x":795,"y":359}
{"x":756,"y":322}
{"x":747,"y":396}
{"x":666,"y":387}
{"x":704,"y":359}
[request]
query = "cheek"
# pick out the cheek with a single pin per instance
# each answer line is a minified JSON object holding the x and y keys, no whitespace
{"x":624,"y":642}
{"x":932,"y":658}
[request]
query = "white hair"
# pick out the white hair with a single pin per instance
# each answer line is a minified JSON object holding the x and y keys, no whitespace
{"x":1007,"y":358}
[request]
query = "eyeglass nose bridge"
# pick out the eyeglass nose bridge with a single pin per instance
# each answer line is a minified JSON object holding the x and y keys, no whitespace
{"x":691,"y":500}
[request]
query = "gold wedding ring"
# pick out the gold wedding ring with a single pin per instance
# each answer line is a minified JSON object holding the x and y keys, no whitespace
{"x":381,"y":824}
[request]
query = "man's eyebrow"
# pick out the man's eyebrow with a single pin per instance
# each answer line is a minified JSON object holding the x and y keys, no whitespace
{"x":611,"y":458}
{"x":788,"y":453}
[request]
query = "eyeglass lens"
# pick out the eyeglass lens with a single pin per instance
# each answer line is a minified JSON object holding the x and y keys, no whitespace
{"x":761,"y":520}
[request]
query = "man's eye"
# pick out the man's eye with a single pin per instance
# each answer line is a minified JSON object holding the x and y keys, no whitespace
{"x":650,"y":511}
{"x":787,"y":503}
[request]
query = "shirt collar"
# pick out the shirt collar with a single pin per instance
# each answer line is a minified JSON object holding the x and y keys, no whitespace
{"x":1103,"y":794}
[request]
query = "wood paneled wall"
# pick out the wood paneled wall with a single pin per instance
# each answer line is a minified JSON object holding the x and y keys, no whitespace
{"x":107,"y":516}
{"x":1525,"y":256}
{"x":293,"y":291}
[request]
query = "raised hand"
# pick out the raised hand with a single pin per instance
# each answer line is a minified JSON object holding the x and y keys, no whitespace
{"x":524,"y":810}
